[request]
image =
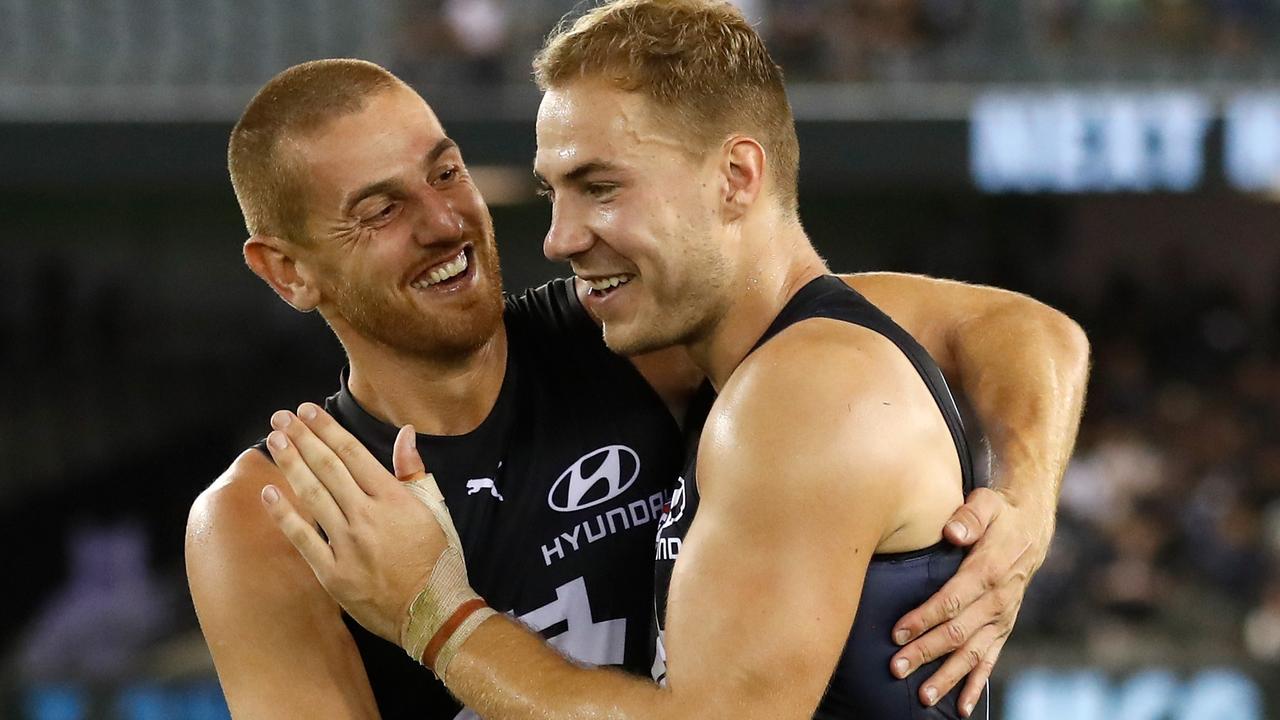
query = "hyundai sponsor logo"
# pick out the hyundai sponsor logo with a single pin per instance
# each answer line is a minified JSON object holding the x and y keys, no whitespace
{"x":597,"y":477}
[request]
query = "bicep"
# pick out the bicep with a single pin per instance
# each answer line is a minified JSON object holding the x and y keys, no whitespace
{"x":278,"y":641}
{"x":762,"y":601}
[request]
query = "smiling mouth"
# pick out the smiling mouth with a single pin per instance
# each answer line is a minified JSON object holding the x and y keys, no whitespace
{"x":604,"y":285}
{"x":447,"y":273}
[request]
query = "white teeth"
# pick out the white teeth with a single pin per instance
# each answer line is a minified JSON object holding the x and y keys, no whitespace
{"x":451,"y":269}
{"x":603,"y":284}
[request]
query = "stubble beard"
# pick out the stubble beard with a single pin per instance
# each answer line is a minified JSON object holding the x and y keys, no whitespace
{"x":679,"y":315}
{"x":385,"y":319}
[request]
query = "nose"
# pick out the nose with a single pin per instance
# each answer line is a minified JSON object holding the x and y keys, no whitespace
{"x":567,"y":236}
{"x":439,"y":220}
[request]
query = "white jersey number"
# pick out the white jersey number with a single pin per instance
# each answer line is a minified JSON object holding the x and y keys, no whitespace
{"x":584,"y":640}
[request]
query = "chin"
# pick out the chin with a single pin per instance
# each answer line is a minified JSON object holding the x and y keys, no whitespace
{"x":628,"y":339}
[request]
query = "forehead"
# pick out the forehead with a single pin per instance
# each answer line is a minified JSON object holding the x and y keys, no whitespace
{"x":390,"y":134}
{"x":594,"y":122}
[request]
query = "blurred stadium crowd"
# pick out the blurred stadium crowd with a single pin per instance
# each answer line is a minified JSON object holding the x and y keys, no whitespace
{"x":1169,"y":527}
{"x":906,"y":40}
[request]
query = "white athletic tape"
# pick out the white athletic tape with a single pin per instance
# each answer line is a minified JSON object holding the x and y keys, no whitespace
{"x":446,"y":590}
{"x":428,"y":492}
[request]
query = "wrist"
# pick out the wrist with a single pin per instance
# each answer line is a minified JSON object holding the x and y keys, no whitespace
{"x":1027,"y":482}
{"x":439,"y":609}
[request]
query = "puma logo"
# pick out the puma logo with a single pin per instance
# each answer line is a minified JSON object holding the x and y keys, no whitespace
{"x":475,"y":485}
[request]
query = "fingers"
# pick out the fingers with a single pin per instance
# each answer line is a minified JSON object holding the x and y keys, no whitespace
{"x":960,"y":663}
{"x":405,"y":458}
{"x":971,"y":520}
{"x":359,"y":464}
{"x":977,"y":682}
{"x":953,"y":598}
{"x":969,"y":604}
{"x":323,"y":463}
{"x":313,"y":495}
{"x":300,"y":533}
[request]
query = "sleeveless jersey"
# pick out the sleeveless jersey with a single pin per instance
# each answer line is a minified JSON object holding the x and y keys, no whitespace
{"x":556,"y":497}
{"x":895,"y":584}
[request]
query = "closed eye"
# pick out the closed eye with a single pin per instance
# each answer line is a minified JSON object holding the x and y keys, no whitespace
{"x":601,"y":191}
{"x":383,"y":215}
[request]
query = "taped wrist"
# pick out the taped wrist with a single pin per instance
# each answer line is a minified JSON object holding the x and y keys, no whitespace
{"x":446,"y":611}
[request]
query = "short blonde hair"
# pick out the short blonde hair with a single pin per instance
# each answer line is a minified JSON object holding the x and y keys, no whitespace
{"x":700,"y":60}
{"x":300,"y":100}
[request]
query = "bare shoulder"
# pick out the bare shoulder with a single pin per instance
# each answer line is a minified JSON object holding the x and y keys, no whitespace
{"x":235,"y":554}
{"x":277,"y":639}
{"x":830,"y":410}
{"x":822,"y":378}
{"x":229,"y":514}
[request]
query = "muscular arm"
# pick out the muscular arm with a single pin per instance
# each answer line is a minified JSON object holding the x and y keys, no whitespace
{"x":768,"y":582}
{"x":1023,"y":366}
{"x":278,"y":640}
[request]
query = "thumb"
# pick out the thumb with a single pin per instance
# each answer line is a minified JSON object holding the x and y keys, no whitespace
{"x":405,"y":458}
{"x":411,"y":471}
{"x":970,"y":522}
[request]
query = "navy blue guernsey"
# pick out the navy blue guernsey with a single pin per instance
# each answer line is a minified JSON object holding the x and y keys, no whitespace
{"x":556,"y":496}
{"x":861,"y":686}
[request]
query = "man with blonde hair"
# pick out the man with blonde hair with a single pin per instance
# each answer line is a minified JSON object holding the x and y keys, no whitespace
{"x":810,"y":514}
{"x":360,"y":207}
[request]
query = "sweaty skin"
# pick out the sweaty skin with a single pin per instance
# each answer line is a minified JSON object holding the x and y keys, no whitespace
{"x":755,"y":546}
{"x":278,"y":639}
{"x":799,"y":562}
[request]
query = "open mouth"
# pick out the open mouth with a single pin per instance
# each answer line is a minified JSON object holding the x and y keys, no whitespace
{"x":447,"y":274}
{"x":604,"y":286}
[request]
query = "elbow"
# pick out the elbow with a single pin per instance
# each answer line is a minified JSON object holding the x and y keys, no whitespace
{"x":1074,"y":343}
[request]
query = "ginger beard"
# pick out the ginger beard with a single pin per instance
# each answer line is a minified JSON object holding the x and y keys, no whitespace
{"x":443,"y":328}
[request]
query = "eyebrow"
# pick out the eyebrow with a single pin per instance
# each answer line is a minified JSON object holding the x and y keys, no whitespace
{"x":389,"y":185}
{"x":581,"y":171}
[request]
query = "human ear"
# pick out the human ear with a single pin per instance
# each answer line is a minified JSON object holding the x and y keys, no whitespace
{"x":274,"y":260}
{"x":743,"y":167}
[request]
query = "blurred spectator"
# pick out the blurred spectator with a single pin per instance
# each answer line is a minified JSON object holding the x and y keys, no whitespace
{"x":797,"y":38}
{"x":1238,"y":25}
{"x":1262,"y":626}
{"x":480,"y":29}
{"x":98,"y":626}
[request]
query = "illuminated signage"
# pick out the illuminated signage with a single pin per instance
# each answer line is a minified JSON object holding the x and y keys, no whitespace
{"x":1251,"y":142}
{"x":1081,"y":142}
{"x":1156,"y":694}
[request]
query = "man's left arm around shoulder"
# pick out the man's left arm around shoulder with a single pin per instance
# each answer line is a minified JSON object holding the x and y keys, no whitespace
{"x":1023,"y":366}
{"x":755,"y":561}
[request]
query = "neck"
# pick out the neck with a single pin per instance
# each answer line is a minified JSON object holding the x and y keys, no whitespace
{"x":779,"y":260}
{"x":437,"y":397}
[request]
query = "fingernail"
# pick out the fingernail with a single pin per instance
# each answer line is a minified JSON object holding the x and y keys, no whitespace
{"x":958,"y":530}
{"x":967,"y":709}
{"x":901,"y":637}
{"x":931,"y":695}
{"x":270,"y":494}
{"x":281,"y":419}
{"x":900,"y":666}
{"x":307,"y":411}
{"x":277,"y":440}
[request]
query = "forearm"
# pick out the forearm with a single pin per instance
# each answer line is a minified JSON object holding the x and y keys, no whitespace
{"x":505,"y":671}
{"x":1023,"y":367}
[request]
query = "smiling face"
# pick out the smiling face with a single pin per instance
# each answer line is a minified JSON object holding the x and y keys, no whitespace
{"x":636,"y":213}
{"x":400,"y":242}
